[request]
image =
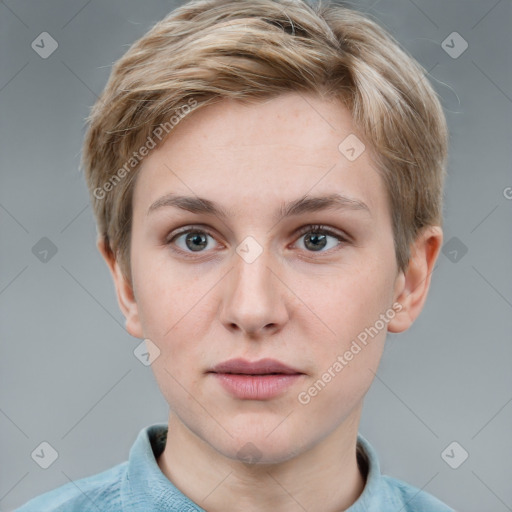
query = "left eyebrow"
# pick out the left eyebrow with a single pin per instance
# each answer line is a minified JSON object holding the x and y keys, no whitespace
{"x":298,"y":206}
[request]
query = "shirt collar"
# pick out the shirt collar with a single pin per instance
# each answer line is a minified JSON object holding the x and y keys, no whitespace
{"x":145,"y":487}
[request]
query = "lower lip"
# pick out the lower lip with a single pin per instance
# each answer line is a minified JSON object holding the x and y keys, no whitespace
{"x":256,"y":387}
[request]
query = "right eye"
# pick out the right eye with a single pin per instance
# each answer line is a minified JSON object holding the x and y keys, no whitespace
{"x":190,"y":240}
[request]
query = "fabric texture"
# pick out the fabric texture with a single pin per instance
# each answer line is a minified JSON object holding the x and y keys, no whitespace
{"x":138,"y":485}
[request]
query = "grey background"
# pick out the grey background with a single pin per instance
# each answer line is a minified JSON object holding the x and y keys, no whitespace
{"x":68,"y":373}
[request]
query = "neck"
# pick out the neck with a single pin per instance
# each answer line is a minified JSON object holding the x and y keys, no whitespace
{"x":325,"y":477}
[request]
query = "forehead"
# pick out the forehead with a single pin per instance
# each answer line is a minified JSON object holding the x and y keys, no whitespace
{"x":254,"y":156}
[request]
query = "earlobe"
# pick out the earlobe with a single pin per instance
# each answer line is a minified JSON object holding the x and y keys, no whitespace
{"x":124,"y":290}
{"x":411,"y":287}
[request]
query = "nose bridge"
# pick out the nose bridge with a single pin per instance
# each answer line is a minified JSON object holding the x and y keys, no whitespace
{"x":252,"y":271}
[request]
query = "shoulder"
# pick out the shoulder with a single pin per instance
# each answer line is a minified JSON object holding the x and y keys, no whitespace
{"x":101,"y":491}
{"x":411,"y":498}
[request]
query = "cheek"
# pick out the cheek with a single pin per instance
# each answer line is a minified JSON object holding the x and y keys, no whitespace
{"x":346,"y":301}
{"x":164,"y":294}
{"x":352,"y":313}
{"x":175,"y":313}
{"x":345,"y":371}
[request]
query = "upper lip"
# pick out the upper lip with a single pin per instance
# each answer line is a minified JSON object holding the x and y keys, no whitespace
{"x":260,"y":367}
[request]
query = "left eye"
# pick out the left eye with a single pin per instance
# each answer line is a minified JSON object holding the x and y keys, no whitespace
{"x":315,"y":239}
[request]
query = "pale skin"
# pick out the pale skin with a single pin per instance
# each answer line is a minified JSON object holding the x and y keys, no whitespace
{"x":293,"y":303}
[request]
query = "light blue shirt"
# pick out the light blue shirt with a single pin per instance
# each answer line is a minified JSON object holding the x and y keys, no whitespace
{"x":138,"y":485}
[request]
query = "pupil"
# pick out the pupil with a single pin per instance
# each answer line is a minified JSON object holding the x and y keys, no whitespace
{"x":315,"y":239}
{"x":199,"y":238}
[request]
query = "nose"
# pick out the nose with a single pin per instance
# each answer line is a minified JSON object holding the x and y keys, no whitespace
{"x":254,"y":298}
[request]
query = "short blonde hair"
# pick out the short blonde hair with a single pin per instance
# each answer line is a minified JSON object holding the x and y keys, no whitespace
{"x":250,"y":50}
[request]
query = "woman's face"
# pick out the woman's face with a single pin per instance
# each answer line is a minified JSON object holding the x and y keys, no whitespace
{"x":254,"y":284}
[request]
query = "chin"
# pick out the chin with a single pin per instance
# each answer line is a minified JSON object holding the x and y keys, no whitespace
{"x":261,"y":448}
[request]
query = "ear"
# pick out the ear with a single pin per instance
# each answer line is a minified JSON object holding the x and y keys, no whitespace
{"x":411,"y":287}
{"x":124,"y":290}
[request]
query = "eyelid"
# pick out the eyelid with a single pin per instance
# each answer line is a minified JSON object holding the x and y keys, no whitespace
{"x":314,"y":228}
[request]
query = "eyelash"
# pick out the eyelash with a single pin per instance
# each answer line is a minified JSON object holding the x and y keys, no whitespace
{"x":312,"y":228}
